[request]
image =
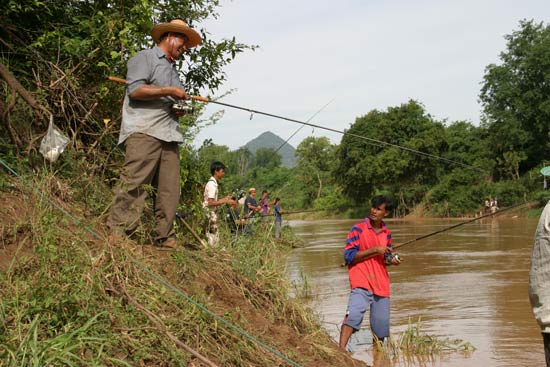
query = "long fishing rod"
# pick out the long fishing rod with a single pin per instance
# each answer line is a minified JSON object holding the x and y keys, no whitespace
{"x":370,"y":140}
{"x":307,"y":211}
{"x":459,"y":225}
{"x":284,"y":212}
{"x":313,"y":210}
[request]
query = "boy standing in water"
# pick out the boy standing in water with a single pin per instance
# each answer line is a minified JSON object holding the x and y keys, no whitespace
{"x":367,"y":253}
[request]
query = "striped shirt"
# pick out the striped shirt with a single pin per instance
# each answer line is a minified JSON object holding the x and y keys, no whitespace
{"x":371,"y":273}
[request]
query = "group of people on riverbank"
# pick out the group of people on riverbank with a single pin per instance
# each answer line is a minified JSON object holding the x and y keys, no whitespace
{"x":242,"y":210}
{"x":491,"y":205}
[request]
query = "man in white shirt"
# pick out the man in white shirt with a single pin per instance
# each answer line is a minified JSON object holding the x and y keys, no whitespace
{"x":211,"y":202}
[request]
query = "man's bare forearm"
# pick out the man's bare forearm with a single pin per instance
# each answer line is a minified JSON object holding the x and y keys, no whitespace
{"x":147,"y":92}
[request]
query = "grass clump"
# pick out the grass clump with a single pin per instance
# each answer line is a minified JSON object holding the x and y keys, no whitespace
{"x":414,"y":342}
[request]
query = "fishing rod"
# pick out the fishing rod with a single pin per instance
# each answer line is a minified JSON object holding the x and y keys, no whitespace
{"x":446,"y":229}
{"x":370,"y":140}
{"x":460,"y":224}
{"x":308,"y":211}
{"x":284,"y":212}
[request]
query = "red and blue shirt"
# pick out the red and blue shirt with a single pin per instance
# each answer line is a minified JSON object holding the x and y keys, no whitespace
{"x":371,"y":273}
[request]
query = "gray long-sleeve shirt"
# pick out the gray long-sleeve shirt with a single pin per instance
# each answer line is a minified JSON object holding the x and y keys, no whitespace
{"x":539,"y":275}
{"x":154,"y":117}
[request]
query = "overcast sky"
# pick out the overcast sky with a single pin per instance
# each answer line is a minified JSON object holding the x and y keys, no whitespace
{"x":364,"y":54}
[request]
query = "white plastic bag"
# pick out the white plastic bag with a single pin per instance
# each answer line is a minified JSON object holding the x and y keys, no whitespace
{"x":53,"y":143}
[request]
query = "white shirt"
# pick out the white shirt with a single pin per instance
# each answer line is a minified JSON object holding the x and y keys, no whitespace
{"x":210,"y":191}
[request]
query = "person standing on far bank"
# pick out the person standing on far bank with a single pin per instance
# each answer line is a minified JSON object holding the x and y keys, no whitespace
{"x":151,"y":133}
{"x":368,"y":250}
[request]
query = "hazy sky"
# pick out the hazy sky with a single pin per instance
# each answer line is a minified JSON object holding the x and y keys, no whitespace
{"x":364,"y":54}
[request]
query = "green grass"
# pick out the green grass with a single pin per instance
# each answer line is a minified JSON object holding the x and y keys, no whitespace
{"x":415,"y":342}
{"x":73,"y":300}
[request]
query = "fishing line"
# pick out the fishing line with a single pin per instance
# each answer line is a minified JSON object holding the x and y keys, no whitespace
{"x":301,"y":127}
{"x":294,"y":133}
{"x":370,"y":140}
{"x":459,"y":225}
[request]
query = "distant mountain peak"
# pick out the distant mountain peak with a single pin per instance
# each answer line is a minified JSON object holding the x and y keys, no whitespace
{"x":268,"y":139}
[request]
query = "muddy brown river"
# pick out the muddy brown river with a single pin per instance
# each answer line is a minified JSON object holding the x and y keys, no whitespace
{"x":470,"y":283}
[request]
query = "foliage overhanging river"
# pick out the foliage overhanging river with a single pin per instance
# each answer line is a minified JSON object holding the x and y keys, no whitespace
{"x":470,"y":283}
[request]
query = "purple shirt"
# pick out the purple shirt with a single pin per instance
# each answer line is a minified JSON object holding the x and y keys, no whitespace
{"x":263,"y":204}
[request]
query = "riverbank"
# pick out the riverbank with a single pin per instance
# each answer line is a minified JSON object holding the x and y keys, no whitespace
{"x":69,"y":297}
{"x":531,"y":209}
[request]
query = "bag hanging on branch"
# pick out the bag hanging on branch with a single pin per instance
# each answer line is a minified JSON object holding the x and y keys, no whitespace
{"x":53,"y":143}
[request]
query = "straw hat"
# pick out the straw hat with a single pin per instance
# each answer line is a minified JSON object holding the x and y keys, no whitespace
{"x":251,"y":190}
{"x":176,"y":26}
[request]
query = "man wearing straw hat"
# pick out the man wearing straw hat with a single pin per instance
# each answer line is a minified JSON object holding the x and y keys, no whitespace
{"x":151,"y":133}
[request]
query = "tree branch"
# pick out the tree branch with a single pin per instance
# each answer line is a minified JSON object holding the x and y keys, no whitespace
{"x":25,"y":94}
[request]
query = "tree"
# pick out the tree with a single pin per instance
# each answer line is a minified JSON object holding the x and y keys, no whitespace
{"x":365,"y":168}
{"x":61,"y":52}
{"x":209,"y":153}
{"x":314,"y":156}
{"x":468,"y":144}
{"x":267,"y":158}
{"x":461,"y":190}
{"x":240,"y":161}
{"x":516,"y":101}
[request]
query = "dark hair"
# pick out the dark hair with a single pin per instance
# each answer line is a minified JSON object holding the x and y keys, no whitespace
{"x":264,"y":192}
{"x":216,"y":166}
{"x":382,"y":199}
{"x":165,"y":35}
{"x":277,"y":200}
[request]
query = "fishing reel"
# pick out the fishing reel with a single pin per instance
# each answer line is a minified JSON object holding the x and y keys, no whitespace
{"x":238,"y":194}
{"x":388,"y":258}
{"x":182,"y":107}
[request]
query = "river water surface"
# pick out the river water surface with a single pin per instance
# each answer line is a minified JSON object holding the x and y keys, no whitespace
{"x":470,"y":283}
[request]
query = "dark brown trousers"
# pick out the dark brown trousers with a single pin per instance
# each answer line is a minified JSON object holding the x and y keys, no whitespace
{"x":148,"y":162}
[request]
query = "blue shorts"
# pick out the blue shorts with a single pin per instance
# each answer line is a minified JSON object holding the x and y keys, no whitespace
{"x":359,"y":301}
